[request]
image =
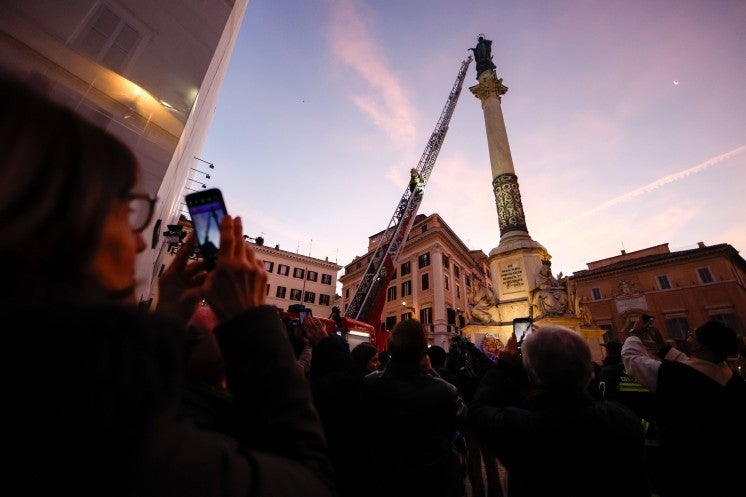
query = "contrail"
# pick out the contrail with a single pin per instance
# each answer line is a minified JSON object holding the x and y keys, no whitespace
{"x":655,"y":184}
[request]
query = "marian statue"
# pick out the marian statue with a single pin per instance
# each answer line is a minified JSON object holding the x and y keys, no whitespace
{"x":549,"y":295}
{"x":483,"y":55}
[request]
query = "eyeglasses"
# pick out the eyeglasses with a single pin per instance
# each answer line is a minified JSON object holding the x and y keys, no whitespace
{"x":141,"y":206}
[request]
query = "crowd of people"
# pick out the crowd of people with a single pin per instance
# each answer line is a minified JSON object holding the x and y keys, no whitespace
{"x":212,"y":393}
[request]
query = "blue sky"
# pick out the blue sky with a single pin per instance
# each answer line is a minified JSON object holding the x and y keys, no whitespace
{"x":626,"y":122}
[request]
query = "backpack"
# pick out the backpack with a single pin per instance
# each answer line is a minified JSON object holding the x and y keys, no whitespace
{"x":467,"y":364}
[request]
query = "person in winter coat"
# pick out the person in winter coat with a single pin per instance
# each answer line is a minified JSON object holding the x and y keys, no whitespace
{"x":94,"y":384}
{"x":547,"y":432}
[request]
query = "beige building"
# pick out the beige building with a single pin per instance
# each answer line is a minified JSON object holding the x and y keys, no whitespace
{"x":148,"y":72}
{"x":298,"y":279}
{"x":431,"y":280}
{"x":681,"y":289}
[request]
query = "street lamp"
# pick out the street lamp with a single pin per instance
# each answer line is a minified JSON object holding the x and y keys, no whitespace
{"x":408,"y":309}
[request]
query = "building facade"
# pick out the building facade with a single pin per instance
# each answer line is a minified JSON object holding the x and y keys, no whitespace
{"x":431,"y":281}
{"x":681,"y":289}
{"x":298,"y":279}
{"x":148,"y":72}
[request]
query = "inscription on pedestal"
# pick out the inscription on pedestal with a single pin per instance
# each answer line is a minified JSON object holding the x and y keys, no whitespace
{"x":511,"y":277}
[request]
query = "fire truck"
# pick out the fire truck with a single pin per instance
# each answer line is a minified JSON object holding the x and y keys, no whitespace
{"x":366,"y":305}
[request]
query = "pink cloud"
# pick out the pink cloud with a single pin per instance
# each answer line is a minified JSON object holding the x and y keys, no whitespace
{"x":382,"y":96}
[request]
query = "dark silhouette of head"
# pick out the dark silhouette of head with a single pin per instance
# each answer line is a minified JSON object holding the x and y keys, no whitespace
{"x":719,"y":339}
{"x":408,"y":343}
{"x":437,"y":356}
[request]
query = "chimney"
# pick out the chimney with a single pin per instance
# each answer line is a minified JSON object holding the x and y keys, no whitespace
{"x":277,"y":247}
{"x":701,"y":244}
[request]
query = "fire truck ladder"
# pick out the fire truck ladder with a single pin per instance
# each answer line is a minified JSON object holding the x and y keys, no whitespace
{"x":368,"y":299}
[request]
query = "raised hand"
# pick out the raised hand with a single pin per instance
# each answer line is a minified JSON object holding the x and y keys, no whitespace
{"x":179,"y":287}
{"x":238,"y":282}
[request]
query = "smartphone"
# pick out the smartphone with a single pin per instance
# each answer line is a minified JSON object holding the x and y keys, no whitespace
{"x":207,"y":209}
{"x":303,"y":314}
{"x":521,"y":327}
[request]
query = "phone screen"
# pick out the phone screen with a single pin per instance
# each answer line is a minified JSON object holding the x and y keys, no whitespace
{"x":207,"y":209}
{"x":303,"y":314}
{"x":521,"y":327}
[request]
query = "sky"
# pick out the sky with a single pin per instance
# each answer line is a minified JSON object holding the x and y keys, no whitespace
{"x":626,"y":122}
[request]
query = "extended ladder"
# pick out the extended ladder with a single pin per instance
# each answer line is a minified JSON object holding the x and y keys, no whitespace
{"x":367,"y":303}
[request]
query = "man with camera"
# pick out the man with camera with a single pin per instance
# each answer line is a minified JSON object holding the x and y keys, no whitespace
{"x":701,"y":407}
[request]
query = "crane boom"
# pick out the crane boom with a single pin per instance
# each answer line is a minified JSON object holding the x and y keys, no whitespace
{"x":367,"y":303}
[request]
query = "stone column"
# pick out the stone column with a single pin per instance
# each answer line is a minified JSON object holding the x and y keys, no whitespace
{"x":504,"y":180}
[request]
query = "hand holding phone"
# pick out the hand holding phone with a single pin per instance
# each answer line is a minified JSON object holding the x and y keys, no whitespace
{"x":207,"y":209}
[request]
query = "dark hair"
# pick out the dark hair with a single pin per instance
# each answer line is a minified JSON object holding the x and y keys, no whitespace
{"x":363,"y":352}
{"x":408,"y":342}
{"x":437,"y":356}
{"x":61,"y":177}
{"x":720,"y":339}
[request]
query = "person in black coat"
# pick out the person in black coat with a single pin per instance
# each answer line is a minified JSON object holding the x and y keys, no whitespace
{"x":549,"y":435}
{"x":411,"y":418}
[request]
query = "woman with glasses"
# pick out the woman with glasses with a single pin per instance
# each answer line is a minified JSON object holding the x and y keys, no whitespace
{"x":93,"y":385}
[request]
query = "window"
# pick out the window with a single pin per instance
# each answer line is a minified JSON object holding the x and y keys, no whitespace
{"x":458,"y":292}
{"x":406,"y":268}
{"x":347,"y":293}
{"x":298,"y":272}
{"x":406,"y":315}
{"x":446,"y":282}
{"x":282,"y":269}
{"x":324,"y":299}
{"x":663,"y":282}
{"x":677,"y":328}
{"x":596,"y":293}
{"x":406,"y":288}
{"x":456,"y":271}
{"x":425,"y":281}
{"x":423,"y":260}
{"x":310,"y":297}
{"x":424,"y":228}
{"x":704,"y":275}
{"x":446,"y":261}
{"x":295,"y":294}
{"x":393,"y":275}
{"x":467,"y":280}
{"x":359,"y":265}
{"x":109,"y":39}
{"x":267,"y":289}
{"x":268,"y":266}
{"x":390,"y":322}
{"x":426,"y":315}
{"x":280,"y":293}
{"x":312,"y":276}
{"x":451,"y":316}
{"x":326,"y":279}
{"x":391,"y":293}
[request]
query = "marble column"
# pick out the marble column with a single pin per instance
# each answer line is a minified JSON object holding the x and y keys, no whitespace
{"x":504,"y":180}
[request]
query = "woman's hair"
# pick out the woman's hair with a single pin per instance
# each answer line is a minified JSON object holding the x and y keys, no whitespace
{"x":61,"y":178}
{"x":363,"y":352}
{"x":557,"y":358}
